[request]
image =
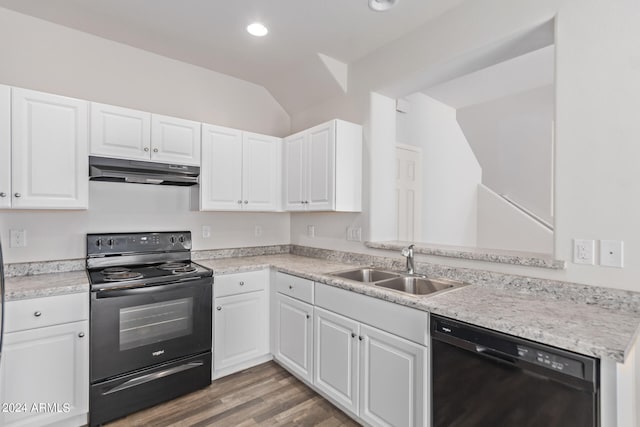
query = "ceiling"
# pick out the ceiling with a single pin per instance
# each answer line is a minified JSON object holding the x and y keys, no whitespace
{"x":531,"y":70}
{"x":211,"y":34}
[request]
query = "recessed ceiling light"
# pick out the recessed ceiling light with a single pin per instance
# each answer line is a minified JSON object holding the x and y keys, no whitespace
{"x":257,"y":29}
{"x":381,"y":5}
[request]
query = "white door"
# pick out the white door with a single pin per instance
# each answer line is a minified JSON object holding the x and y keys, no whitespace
{"x":261,"y":188}
{"x":45,"y":366}
{"x":392,"y":380}
{"x":294,"y":335}
{"x":295,"y":171}
{"x":321,"y":173}
{"x":221,"y":171}
{"x":5,"y":146}
{"x":336,"y":358}
{"x":175,"y":140}
{"x":409,"y":192}
{"x":50,"y":164}
{"x":240,"y":325}
{"x":120,"y":132}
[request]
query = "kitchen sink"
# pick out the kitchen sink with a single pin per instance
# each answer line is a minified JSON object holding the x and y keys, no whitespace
{"x":367,"y":275}
{"x":418,"y":285}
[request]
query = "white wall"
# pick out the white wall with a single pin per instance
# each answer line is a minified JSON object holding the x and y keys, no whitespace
{"x":450,"y":171}
{"x":511,"y":138}
{"x":43,"y":56}
{"x":502,"y":226}
{"x":597,"y":100}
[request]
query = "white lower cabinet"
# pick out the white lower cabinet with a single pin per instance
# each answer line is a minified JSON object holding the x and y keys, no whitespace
{"x":294,"y":336}
{"x":44,"y":370}
{"x":241,"y":319}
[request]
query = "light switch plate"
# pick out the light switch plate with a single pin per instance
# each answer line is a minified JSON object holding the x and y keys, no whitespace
{"x":206,"y":231}
{"x":583,"y":251}
{"x":612,"y":253}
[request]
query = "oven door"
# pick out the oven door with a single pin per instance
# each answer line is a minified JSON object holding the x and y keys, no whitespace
{"x":140,"y":327}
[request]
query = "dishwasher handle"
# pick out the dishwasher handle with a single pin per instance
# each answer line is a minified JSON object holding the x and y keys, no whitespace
{"x":494,"y":354}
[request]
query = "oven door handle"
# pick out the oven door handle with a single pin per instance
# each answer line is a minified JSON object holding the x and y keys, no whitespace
{"x":126,"y":291}
{"x":134,"y":382}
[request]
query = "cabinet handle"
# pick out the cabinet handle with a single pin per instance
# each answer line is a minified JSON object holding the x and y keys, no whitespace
{"x":290,"y":286}
{"x":3,"y":194}
{"x":37,"y":314}
{"x":239,"y":202}
{"x":246,"y":201}
{"x":219,"y":308}
{"x":360,"y":338}
{"x":81,"y":335}
{"x":18,"y":195}
{"x":155,"y":150}
{"x":353,"y":334}
{"x":241,"y":283}
{"x":308,"y":316}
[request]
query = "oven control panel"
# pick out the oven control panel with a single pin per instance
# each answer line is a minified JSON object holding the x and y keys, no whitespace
{"x":123,"y":243}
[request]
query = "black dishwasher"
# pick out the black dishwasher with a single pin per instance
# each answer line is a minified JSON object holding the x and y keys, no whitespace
{"x":483,"y":378}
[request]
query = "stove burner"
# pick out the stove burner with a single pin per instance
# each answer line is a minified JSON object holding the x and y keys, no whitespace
{"x":177,"y":267}
{"x":114,"y":270}
{"x":122,"y":276}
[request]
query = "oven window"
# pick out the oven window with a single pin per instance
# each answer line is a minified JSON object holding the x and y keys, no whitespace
{"x":152,"y":323}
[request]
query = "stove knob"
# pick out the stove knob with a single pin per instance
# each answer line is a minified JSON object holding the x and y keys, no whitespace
{"x":110,"y":242}
{"x":172,"y":239}
{"x":99,"y":243}
{"x":182,"y":239}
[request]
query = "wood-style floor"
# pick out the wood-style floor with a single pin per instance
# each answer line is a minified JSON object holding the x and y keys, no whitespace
{"x":265,"y":395}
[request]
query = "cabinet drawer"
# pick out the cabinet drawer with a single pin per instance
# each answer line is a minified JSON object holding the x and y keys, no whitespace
{"x":40,"y":312}
{"x":240,"y":283}
{"x":295,"y":287}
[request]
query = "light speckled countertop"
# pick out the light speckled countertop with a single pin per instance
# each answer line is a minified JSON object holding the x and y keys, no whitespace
{"x":589,"y":329}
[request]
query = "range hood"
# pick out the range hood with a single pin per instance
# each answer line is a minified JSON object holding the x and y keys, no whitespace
{"x":139,"y":172}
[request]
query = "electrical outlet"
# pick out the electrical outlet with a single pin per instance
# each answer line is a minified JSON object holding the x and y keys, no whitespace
{"x":583,"y":251}
{"x":612,"y":253}
{"x":18,"y":238}
{"x":206,"y":231}
{"x":257,"y":231}
{"x":311,"y":230}
{"x":354,"y":234}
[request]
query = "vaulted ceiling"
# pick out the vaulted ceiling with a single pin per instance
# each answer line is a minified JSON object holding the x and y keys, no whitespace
{"x":211,"y":34}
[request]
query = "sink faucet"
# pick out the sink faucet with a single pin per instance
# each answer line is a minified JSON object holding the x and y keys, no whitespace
{"x":408,"y":252}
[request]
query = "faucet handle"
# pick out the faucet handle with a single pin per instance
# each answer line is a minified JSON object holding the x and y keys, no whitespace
{"x":408,"y":251}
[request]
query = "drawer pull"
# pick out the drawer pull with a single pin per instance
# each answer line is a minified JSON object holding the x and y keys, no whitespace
{"x":81,"y":335}
{"x":241,"y":283}
{"x":37,"y":314}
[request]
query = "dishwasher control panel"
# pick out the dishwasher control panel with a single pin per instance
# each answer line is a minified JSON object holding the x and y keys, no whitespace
{"x":551,"y":361}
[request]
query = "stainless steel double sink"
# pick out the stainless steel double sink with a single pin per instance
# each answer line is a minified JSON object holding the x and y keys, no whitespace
{"x":401,"y":282}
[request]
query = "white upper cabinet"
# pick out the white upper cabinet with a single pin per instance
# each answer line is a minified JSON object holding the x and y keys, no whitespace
{"x":260,"y":178}
{"x":120,"y":132}
{"x":175,"y":140}
{"x":323,"y":168}
{"x":221,"y":172}
{"x":240,"y":170}
{"x":138,"y":135}
{"x":5,"y":147}
{"x":49,"y":164}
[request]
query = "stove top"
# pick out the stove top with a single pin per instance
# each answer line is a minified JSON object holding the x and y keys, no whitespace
{"x":128,"y":260}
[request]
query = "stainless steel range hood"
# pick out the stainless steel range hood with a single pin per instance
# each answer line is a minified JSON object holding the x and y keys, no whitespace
{"x":139,"y":172}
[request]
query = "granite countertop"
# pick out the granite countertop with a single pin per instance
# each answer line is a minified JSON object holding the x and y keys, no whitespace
{"x":557,"y":320}
{"x":45,"y":285}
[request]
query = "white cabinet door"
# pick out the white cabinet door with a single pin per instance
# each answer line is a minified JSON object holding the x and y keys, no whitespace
{"x":241,"y":334}
{"x":260,"y":172}
{"x":120,"y":132}
{"x":294,"y":336}
{"x":221,"y":171}
{"x":45,"y":366}
{"x":49,"y":151}
{"x":321,"y":171}
{"x":175,"y":140}
{"x":392,"y":380}
{"x":5,"y":146}
{"x":295,"y":172}
{"x":336,"y":358}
